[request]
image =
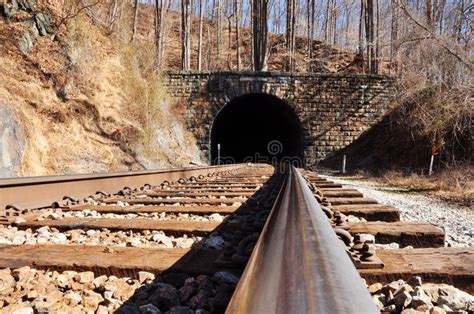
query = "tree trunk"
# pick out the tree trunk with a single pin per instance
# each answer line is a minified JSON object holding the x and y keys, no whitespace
{"x":260,"y":33}
{"x":327,"y":22}
{"x":229,"y":41}
{"x":348,"y":25}
{"x":219,"y":33}
{"x":185,"y":35}
{"x":237,"y":31}
{"x":159,"y":11}
{"x":394,"y":35}
{"x":428,"y":14}
{"x":200,"y":37}
{"x":311,"y":35}
{"x":334,"y":22}
{"x":370,"y":37}
{"x":135,"y":20}
{"x":440,"y":15}
{"x":377,"y":41}
{"x":361,"y":27}
{"x":252,"y":42}
{"x":290,"y":34}
{"x":208,"y":48}
{"x":308,"y":35}
{"x":113,"y":13}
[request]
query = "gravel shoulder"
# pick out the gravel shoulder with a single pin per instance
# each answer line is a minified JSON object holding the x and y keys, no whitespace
{"x":457,"y":221}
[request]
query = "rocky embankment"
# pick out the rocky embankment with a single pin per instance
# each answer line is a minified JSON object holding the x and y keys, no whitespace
{"x":416,"y":297}
{"x":26,"y":290}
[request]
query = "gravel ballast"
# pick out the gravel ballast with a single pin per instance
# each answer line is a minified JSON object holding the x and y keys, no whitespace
{"x":457,"y":221}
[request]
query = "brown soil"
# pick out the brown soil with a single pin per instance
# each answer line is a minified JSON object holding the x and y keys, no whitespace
{"x":68,"y":96}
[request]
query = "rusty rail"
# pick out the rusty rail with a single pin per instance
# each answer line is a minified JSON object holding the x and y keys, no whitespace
{"x":298,"y":264}
{"x":37,"y":192}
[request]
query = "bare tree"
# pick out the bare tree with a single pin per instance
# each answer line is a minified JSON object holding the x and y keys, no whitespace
{"x":428,"y":14}
{"x":229,"y":14}
{"x":327,"y":22}
{"x":185,"y":35}
{"x":443,"y":44}
{"x":135,"y":20}
{"x":361,"y":49}
{"x":115,"y":11}
{"x":260,"y":12}
{"x":393,"y":34}
{"x":71,"y":10}
{"x":200,"y":36}
{"x":237,"y":31}
{"x":160,"y":10}
{"x":370,"y":37}
{"x":290,"y":34}
{"x":308,"y":32}
{"x":208,"y":47}
{"x":219,"y":31}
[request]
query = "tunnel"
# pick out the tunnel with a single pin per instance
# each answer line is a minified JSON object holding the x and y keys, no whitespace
{"x":256,"y":128}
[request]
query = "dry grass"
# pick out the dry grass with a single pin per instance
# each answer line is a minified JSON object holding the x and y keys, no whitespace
{"x":450,"y":184}
{"x":89,"y":102}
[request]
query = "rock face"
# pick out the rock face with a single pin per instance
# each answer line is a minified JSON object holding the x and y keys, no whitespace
{"x":12,"y":143}
{"x":38,"y":25}
{"x":43,"y":23}
{"x":26,"y":5}
{"x":8,"y":9}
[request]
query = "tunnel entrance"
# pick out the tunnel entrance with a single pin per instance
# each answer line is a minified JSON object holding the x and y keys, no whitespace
{"x":256,"y":128}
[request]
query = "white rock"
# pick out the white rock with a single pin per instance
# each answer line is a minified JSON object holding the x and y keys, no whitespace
{"x":365,"y":237}
{"x":59,"y":238}
{"x":91,"y":232}
{"x":184,"y":243}
{"x":84,"y":277}
{"x":161,"y":238}
{"x":19,"y":220}
{"x":394,"y":245}
{"x":216,"y":217}
{"x":134,"y":242}
{"x":62,"y":281}
{"x":44,"y":231}
{"x":18,"y":239}
{"x":145,"y":276}
{"x":73,"y":297}
{"x":42,"y":239}
{"x":24,"y":310}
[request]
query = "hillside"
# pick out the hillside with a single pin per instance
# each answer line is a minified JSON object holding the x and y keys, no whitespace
{"x":79,"y":100}
{"x":327,"y":58}
{"x":76,"y":96}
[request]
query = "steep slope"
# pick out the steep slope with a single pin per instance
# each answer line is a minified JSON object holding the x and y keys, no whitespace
{"x":78,"y":100}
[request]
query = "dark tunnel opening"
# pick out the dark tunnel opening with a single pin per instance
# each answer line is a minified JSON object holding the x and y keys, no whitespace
{"x":256,"y":128}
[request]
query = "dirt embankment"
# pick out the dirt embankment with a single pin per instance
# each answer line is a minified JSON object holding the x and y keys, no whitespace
{"x":74,"y":99}
{"x":397,"y":151}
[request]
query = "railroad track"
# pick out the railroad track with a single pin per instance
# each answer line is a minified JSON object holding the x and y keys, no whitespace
{"x":239,"y":238}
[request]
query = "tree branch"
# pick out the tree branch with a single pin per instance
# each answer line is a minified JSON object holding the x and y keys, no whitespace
{"x":426,"y":29}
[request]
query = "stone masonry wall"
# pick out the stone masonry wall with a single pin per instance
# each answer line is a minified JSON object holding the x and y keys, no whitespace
{"x":334,"y":109}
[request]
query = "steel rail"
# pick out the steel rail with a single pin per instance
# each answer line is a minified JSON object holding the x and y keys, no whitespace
{"x":298,"y":264}
{"x":37,"y":192}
